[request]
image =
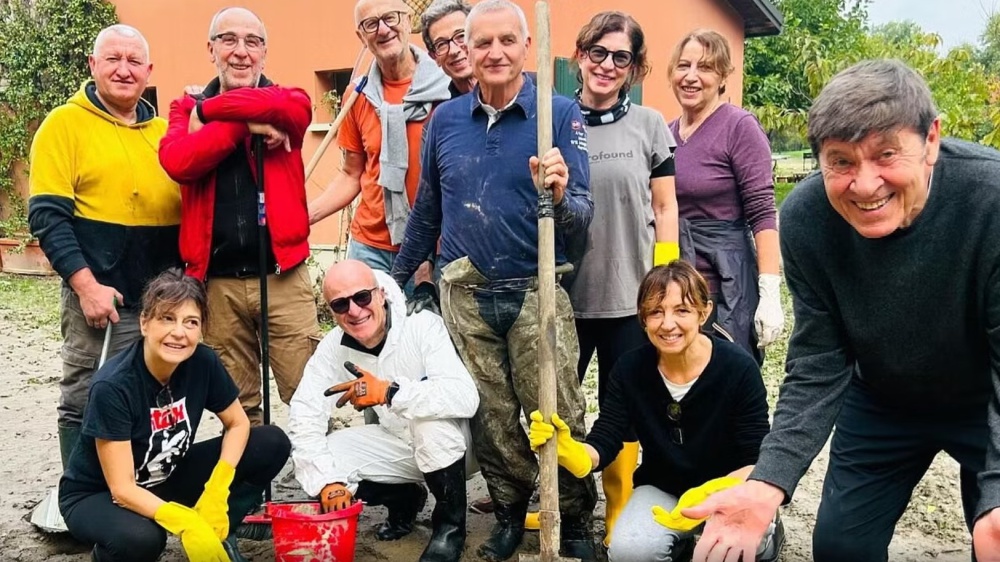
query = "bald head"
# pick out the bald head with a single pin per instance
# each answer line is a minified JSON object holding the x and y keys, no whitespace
{"x":120,"y":30}
{"x":346,"y":278}
{"x":237,"y":12}
{"x":357,"y":301}
{"x":378,"y":6}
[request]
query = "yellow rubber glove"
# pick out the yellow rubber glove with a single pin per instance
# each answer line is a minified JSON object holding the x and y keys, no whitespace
{"x":665,"y":252}
{"x":197,"y":537}
{"x":675,"y":521}
{"x":213,"y":505}
{"x":573,"y":456}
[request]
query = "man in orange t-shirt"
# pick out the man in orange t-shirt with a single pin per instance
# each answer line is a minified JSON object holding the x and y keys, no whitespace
{"x":381,"y":135}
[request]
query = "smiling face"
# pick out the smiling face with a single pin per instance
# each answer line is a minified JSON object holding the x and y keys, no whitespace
{"x":880,"y":183}
{"x":238,"y":66}
{"x":674,"y":323}
{"x":365,"y":323}
{"x":604,"y":79}
{"x":498,"y":47}
{"x":455,"y":63}
{"x":387,"y":43}
{"x":695,"y":82}
{"x":121,"y":69}
{"x":170,"y":336}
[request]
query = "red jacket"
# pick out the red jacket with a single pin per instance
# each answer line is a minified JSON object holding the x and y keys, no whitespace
{"x":191,"y":160}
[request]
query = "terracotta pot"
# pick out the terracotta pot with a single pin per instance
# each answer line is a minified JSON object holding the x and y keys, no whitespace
{"x":24,"y":258}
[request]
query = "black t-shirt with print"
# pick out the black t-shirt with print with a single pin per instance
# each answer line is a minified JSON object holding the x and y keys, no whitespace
{"x":128,"y":404}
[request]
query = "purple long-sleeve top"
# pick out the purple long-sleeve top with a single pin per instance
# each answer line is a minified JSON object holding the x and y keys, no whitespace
{"x":724,"y":170}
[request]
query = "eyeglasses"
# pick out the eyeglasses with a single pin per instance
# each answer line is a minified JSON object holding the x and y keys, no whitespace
{"x":231,"y":41}
{"x":163,"y":398}
{"x":621,"y":59}
{"x":674,"y":415}
{"x":390,"y":19}
{"x":441,"y":47}
{"x":361,"y":298}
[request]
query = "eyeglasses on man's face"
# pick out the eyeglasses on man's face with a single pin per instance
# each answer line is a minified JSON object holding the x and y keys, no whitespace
{"x":231,"y":41}
{"x":441,"y":47}
{"x":390,"y":19}
{"x":621,"y":59}
{"x":361,"y":298}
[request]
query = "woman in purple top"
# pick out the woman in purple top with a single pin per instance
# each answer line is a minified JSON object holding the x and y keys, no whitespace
{"x":725,"y":195}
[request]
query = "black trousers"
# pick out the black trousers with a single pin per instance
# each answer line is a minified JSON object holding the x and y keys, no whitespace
{"x":121,"y":534}
{"x":878,"y":455}
{"x":610,"y":338}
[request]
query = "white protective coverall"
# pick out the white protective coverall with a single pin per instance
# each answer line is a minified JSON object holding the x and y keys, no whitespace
{"x":425,"y":429}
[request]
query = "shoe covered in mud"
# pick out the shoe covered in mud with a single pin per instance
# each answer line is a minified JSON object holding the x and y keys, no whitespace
{"x":774,"y":541}
{"x":506,"y":535}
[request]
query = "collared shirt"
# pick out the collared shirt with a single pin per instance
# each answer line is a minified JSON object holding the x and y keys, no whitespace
{"x":492,"y":113}
{"x":477,"y":192}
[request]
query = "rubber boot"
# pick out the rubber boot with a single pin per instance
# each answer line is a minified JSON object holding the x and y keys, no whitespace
{"x":244,"y":499}
{"x":404,"y":502}
{"x":575,"y":538}
{"x":232,"y":551}
{"x":506,"y":534}
{"x":448,"y":518}
{"x":68,"y":436}
{"x":617,"y":483}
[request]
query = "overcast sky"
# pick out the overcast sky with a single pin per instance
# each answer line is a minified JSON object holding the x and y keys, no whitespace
{"x":956,"y":21}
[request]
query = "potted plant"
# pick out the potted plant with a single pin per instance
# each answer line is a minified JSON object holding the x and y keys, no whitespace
{"x":19,"y":250}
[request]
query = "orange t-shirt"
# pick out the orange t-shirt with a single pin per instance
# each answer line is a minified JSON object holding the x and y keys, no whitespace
{"x":361,"y":132}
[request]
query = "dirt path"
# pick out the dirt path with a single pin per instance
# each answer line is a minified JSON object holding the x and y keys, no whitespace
{"x":932,"y":528}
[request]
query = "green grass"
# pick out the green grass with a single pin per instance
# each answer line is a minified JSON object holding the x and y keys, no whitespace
{"x":781,"y":190}
{"x":30,"y":302}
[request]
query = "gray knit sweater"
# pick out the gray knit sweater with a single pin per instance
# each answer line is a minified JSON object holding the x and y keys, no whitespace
{"x":915,"y":314}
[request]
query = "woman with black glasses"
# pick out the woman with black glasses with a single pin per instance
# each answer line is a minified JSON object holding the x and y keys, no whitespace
{"x":635,"y":211}
{"x":697,"y":404}
{"x":136,"y":472}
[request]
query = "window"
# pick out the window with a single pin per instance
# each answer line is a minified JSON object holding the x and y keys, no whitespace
{"x":567,"y":84}
{"x":331,"y":86}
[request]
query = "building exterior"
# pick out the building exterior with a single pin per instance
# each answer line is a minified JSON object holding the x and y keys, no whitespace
{"x":312,"y":44}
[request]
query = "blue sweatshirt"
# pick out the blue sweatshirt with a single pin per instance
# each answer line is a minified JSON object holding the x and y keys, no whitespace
{"x":476,"y":191}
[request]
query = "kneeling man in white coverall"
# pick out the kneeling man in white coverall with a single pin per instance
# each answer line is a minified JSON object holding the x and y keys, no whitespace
{"x":406,"y":368}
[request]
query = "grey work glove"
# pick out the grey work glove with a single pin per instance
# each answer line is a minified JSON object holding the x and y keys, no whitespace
{"x":425,"y":297}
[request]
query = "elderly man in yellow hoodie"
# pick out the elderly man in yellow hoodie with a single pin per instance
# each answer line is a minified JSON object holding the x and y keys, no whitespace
{"x":105,"y":213}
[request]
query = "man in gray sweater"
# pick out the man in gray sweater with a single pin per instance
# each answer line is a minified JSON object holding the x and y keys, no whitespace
{"x":892,"y":256}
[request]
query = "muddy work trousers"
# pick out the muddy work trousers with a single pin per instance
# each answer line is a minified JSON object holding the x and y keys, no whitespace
{"x":233,"y":331}
{"x":494,"y":326}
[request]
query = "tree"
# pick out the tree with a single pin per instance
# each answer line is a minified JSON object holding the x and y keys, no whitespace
{"x":989,"y":53}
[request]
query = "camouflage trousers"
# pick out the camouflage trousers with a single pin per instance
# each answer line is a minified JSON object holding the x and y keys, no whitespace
{"x":495,"y":328}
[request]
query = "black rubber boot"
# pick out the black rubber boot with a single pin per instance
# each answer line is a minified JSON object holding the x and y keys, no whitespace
{"x":576,"y":539}
{"x":232,"y":551}
{"x":404,"y":502}
{"x":506,"y":534}
{"x":246,"y":498}
{"x":68,"y":436}
{"x":448,"y":519}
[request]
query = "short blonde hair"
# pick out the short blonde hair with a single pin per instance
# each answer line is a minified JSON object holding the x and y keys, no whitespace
{"x":717,"y":54}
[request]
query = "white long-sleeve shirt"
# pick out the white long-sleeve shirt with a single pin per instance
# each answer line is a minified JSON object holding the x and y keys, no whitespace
{"x":418,"y":356}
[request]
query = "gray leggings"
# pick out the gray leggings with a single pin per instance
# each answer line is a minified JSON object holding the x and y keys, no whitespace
{"x":638,"y":538}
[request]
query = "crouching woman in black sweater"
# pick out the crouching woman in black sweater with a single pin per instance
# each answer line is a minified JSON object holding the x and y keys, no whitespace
{"x":698,"y":406}
{"x":136,"y":472}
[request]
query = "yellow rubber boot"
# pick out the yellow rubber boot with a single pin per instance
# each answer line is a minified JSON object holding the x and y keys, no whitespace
{"x":617,"y":482}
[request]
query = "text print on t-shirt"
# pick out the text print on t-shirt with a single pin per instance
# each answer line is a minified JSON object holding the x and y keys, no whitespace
{"x":168,"y":442}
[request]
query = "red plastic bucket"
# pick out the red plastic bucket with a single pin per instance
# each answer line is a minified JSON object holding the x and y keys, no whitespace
{"x":303,"y":534}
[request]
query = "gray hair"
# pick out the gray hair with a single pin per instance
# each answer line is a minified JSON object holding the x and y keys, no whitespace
{"x":874,"y":96}
{"x":213,"y":27}
{"x":437,"y":10}
{"x":489,"y":6}
{"x":121,"y":30}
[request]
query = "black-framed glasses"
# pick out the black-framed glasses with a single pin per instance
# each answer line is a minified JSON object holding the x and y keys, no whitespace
{"x":621,"y":59}
{"x":231,"y":41}
{"x":674,"y":415}
{"x":361,"y":298}
{"x":390,"y":19}
{"x":441,"y":47}
{"x":164,"y":398}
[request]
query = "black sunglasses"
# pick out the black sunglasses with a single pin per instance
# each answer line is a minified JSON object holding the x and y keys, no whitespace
{"x":621,"y":59}
{"x":674,"y":415}
{"x":361,"y":298}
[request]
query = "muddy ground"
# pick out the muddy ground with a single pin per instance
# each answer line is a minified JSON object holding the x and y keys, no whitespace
{"x":932,"y":528}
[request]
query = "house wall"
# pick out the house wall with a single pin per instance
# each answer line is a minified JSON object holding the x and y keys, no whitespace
{"x":307,"y":36}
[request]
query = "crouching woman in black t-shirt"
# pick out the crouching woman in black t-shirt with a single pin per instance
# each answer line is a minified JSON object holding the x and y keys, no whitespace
{"x":698,"y":406}
{"x":136,"y":472}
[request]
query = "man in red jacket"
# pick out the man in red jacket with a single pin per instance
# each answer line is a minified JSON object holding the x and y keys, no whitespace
{"x":208,"y":150}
